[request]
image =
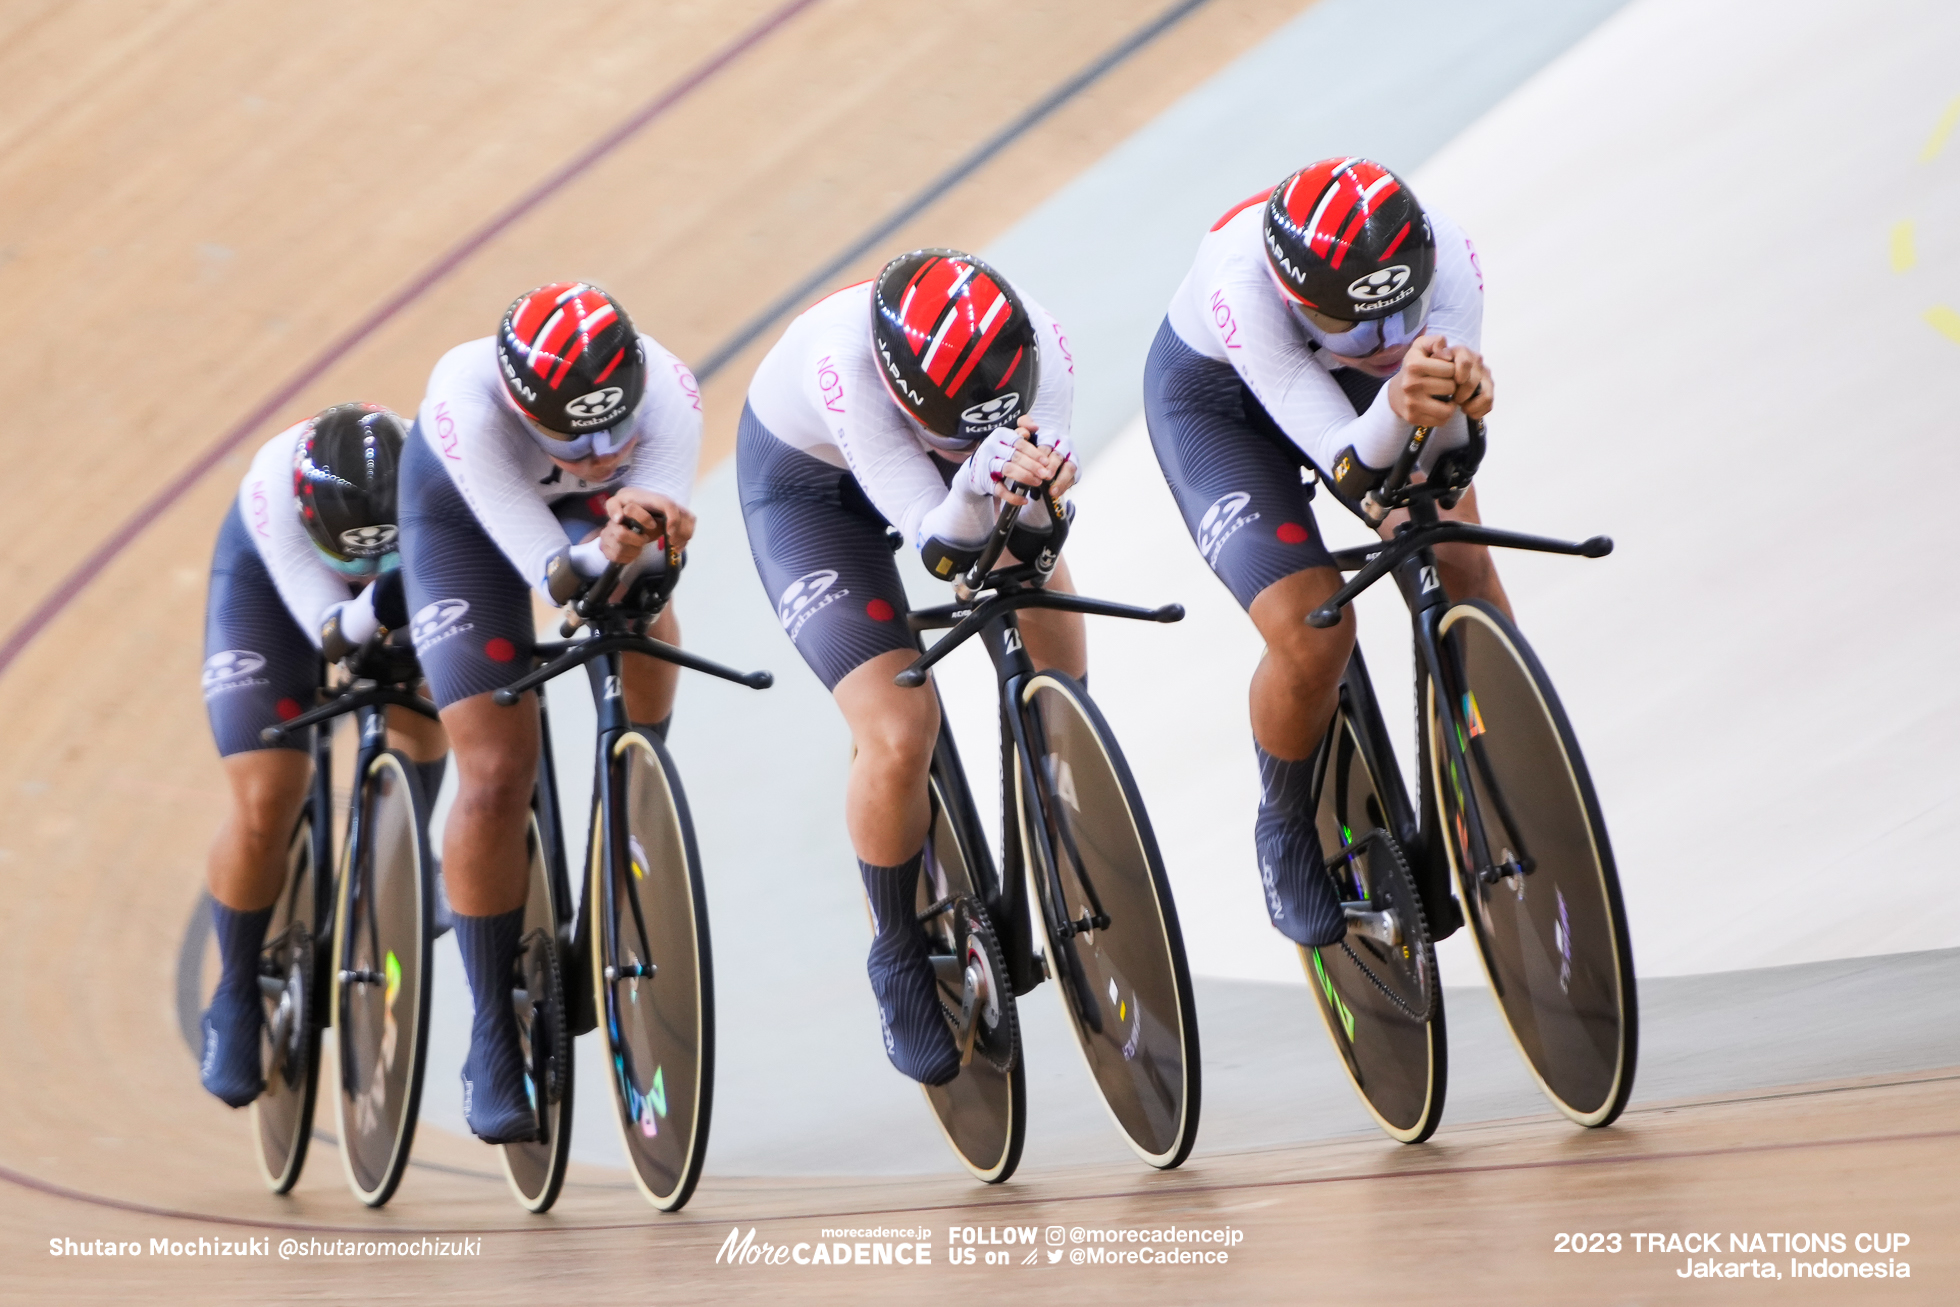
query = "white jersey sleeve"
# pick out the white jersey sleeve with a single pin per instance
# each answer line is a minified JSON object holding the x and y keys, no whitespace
{"x":307,"y":585}
{"x":669,"y":424}
{"x":1230,"y":308}
{"x":511,"y":484}
{"x":819,"y":391}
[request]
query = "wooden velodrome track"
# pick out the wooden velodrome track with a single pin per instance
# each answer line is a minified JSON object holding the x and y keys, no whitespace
{"x":217,"y":218}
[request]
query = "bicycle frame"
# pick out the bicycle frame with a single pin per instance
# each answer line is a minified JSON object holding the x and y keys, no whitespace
{"x":991,"y":617}
{"x":1410,"y":558}
{"x":615,"y":631}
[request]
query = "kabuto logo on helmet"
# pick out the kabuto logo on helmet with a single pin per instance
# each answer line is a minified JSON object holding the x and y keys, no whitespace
{"x":958,"y":348}
{"x":570,"y":358}
{"x":1380,"y":285}
{"x":1346,"y":236}
{"x":995,"y":412}
{"x":594,"y":405}
{"x":344,"y":471}
{"x":367,"y":541}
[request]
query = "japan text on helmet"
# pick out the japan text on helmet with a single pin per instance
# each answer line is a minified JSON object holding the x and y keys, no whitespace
{"x":1347,"y":239}
{"x":572,"y":363}
{"x":954,"y":342}
{"x":344,"y":474}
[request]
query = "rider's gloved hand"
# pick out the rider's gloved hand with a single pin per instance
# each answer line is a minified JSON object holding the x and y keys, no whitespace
{"x":1018,"y":454}
{"x":347,"y":626}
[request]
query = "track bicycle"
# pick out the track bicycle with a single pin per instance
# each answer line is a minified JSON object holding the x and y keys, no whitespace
{"x":1079,"y":895}
{"x":352,"y":951}
{"x":1505,"y":808}
{"x":640,"y":932}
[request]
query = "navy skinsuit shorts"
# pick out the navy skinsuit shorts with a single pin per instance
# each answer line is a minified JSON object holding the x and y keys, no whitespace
{"x":1237,"y":479}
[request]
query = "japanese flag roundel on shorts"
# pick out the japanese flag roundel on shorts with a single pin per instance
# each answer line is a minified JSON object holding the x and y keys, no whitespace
{"x":572,"y":364}
{"x":955,"y":344}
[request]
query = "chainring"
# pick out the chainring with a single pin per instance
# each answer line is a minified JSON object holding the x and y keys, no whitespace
{"x":544,"y":1027}
{"x":1391,"y":888}
{"x":974,"y":940}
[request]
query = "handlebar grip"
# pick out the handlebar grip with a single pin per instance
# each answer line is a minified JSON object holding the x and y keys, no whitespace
{"x":503,"y":698}
{"x":273,"y":735}
{"x":910,"y":679}
{"x":1323,"y":617}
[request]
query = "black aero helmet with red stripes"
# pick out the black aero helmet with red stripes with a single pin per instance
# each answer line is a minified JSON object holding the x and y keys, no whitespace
{"x":344,"y":472}
{"x":1348,"y":239}
{"x":571,"y":359}
{"x":955,"y":344}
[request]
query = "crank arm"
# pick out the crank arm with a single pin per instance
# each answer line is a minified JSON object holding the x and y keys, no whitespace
{"x":1382,"y":927}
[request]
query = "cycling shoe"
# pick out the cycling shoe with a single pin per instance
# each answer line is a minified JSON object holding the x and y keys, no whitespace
{"x":917,"y":1038}
{"x":1300,"y":896}
{"x":496,"y":1098}
{"x":230,"y":1066}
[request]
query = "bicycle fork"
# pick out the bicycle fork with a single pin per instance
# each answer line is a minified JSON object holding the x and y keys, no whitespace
{"x":617,"y":846}
{"x":1423,"y":589}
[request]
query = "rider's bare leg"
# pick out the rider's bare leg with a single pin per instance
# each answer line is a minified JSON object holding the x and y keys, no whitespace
{"x":247,"y":865}
{"x":892,"y":730}
{"x":246,"y":871}
{"x":483,"y":857}
{"x":1296,"y":684}
{"x":1294,"y":692}
{"x":887,"y":810}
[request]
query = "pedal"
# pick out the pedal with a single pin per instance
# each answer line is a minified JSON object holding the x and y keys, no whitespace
{"x":362,"y":978}
{"x":1383,"y":927}
{"x":633,"y":971}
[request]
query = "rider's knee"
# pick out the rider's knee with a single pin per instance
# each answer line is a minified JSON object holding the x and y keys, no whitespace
{"x":1311,"y":654}
{"x":901,"y":740}
{"x":495,"y":778}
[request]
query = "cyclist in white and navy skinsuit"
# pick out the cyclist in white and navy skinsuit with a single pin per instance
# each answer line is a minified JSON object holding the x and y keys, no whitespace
{"x":1319,"y":324}
{"x":902,"y":403}
{"x":303,"y":573}
{"x":531,"y":452}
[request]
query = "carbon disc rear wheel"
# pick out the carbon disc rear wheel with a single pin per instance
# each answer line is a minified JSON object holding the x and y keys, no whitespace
{"x":380,"y":980}
{"x":536,"y":1169}
{"x":1379,"y":998}
{"x":282,"y":1116}
{"x":983,"y":1110}
{"x":1544,"y":907}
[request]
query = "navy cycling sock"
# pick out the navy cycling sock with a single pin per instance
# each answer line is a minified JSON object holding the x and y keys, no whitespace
{"x":893,"y":893}
{"x":494,"y":1099}
{"x":1300,"y":897}
{"x":240,"y":937}
{"x":917,"y":1038}
{"x":230,"y":1065}
{"x":1285,"y":786}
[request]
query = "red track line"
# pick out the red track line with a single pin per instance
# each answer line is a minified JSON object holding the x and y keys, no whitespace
{"x":48,"y":1187}
{"x":77,"y":580}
